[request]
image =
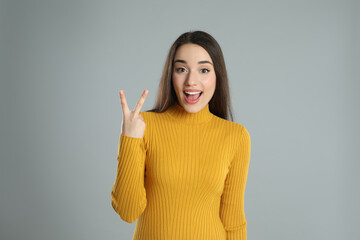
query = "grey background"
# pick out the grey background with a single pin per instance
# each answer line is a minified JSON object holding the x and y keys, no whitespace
{"x":294,"y":77}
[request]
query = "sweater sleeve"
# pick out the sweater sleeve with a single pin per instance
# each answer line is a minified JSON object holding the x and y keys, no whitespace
{"x":232,"y":212}
{"x":128,"y":194}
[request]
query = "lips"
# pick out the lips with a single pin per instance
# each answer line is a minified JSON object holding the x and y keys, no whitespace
{"x":191,"y":91}
{"x":192,"y":98}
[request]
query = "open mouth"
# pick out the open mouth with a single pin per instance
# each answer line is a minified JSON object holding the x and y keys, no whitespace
{"x":192,"y":97}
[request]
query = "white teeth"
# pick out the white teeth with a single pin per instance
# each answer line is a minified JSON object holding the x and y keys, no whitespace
{"x":191,"y":93}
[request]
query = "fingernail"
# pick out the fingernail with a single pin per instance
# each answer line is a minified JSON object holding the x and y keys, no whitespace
{"x":121,"y":92}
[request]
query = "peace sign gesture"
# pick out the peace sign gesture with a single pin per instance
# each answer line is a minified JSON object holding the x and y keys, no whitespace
{"x":133,"y":124}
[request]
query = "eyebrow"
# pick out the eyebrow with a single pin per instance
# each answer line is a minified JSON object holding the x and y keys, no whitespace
{"x":201,"y":62}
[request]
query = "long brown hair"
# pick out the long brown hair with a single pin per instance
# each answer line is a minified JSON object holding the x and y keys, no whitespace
{"x":219,"y":104}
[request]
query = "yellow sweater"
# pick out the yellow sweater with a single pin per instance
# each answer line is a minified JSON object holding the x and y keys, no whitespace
{"x":185,"y":179}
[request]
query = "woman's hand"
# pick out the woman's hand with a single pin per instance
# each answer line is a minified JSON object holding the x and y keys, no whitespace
{"x":133,"y":124}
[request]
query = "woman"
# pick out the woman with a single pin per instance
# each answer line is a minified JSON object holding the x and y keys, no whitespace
{"x":182,"y":166}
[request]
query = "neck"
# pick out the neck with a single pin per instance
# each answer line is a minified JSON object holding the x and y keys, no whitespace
{"x":179,"y":114}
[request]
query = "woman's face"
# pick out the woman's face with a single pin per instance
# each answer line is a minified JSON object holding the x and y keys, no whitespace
{"x":194,"y":71}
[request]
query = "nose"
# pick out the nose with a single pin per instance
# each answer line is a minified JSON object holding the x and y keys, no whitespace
{"x":191,"y":79}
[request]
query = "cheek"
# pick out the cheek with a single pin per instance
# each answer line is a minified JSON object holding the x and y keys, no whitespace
{"x":210,"y":83}
{"x":176,"y":77}
{"x":176,"y":83}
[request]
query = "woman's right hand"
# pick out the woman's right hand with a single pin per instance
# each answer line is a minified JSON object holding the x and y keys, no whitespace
{"x":133,"y":124}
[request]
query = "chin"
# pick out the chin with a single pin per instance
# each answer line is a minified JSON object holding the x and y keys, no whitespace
{"x":192,"y":108}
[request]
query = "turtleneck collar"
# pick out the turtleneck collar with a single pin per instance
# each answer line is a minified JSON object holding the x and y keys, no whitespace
{"x":181,"y":115}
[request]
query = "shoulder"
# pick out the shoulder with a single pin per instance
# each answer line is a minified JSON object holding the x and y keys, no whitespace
{"x":148,"y":116}
{"x":150,"y":122}
{"x":237,"y":132}
{"x":152,"y":118}
{"x":237,"y":129}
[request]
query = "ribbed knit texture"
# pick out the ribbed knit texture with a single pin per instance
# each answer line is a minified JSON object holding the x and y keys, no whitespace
{"x":185,"y":179}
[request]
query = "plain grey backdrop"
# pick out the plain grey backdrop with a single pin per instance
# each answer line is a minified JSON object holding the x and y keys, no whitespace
{"x":294,"y":75}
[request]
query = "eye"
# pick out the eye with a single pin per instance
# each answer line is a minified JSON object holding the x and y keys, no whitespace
{"x":180,"y":69}
{"x":204,"y":70}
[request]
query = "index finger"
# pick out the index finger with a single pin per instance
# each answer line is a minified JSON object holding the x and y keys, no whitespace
{"x":141,"y":101}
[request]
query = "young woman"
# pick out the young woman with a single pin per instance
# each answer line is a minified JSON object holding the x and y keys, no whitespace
{"x":183,"y":166}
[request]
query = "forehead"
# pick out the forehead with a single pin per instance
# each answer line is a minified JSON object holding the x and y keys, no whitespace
{"x":192,"y":53}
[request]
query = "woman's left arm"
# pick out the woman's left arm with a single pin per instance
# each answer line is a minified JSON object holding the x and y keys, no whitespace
{"x":232,"y":212}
